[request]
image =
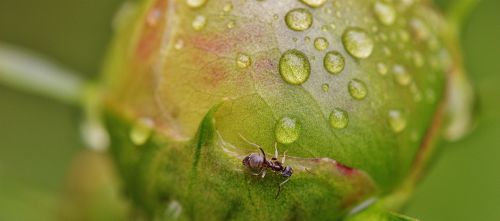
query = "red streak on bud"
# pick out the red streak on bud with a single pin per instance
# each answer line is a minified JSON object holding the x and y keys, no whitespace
{"x":152,"y":30}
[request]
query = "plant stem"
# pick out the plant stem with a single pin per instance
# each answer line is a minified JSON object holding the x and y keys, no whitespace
{"x":458,"y":11}
{"x":26,"y":71}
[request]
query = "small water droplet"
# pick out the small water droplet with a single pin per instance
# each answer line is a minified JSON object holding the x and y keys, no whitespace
{"x":358,"y":43}
{"x":334,"y":62}
{"x":313,"y":3}
{"x":179,"y":44}
{"x":401,"y":75}
{"x":154,"y":17}
{"x":339,"y":119}
{"x":397,"y":121}
{"x":141,"y":131}
{"x":173,"y":210}
{"x":230,"y":24}
{"x":287,"y":130}
{"x":419,"y":29}
{"x":243,"y":60}
{"x":195,"y":3}
{"x":382,"y":68}
{"x":385,"y":13}
{"x":307,"y":39}
{"x":299,"y":19}
{"x":228,"y":8}
{"x":199,"y":22}
{"x":325,"y":87}
{"x":321,"y":44}
{"x":357,"y":89}
{"x":294,"y":67}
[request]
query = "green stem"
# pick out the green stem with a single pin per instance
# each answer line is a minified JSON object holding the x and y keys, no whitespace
{"x":26,"y":71}
{"x":458,"y":11}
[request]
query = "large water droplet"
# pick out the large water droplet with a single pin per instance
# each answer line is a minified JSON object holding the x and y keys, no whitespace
{"x":357,"y":89}
{"x":334,"y":62}
{"x":321,"y":44}
{"x":287,"y":130}
{"x":199,"y":22}
{"x":195,"y":3}
{"x":358,"y":43}
{"x":299,"y":19}
{"x":141,"y":131}
{"x":294,"y":67}
{"x":313,"y":3}
{"x":339,"y":118}
{"x":243,"y":60}
{"x":397,"y":121}
{"x":385,"y":13}
{"x":401,"y":75}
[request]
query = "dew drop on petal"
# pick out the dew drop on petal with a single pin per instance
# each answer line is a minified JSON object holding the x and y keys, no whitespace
{"x":357,"y":89}
{"x":294,"y":67}
{"x":287,"y":130}
{"x":334,"y":62}
{"x":358,"y":43}
{"x":339,"y":119}
{"x":299,"y":19}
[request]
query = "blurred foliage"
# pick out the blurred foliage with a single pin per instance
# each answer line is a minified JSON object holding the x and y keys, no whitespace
{"x":39,"y":137}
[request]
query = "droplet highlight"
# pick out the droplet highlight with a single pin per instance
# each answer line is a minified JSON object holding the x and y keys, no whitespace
{"x":299,"y":19}
{"x":243,"y":60}
{"x":339,"y":119}
{"x":287,"y":130}
{"x":294,"y":67}
{"x":321,"y":44}
{"x":357,"y":89}
{"x":313,"y":3}
{"x":358,"y":43}
{"x":397,"y":121}
{"x":141,"y":131}
{"x":385,"y":13}
{"x":334,"y":62}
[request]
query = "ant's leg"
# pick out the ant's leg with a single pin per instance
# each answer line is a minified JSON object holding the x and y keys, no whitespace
{"x":276,"y":150}
{"x":283,"y":159}
{"x":279,"y":187}
{"x":263,"y":173}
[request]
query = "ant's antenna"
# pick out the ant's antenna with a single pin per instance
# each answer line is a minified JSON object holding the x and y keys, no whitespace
{"x":252,"y":144}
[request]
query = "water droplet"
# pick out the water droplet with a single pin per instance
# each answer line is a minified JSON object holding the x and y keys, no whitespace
{"x":141,"y":131}
{"x":321,"y":44}
{"x":419,"y":29}
{"x":357,"y":89}
{"x":325,"y":87}
{"x":299,"y":19}
{"x":401,"y":75}
{"x":397,"y":121}
{"x":243,"y":60}
{"x":227,"y":8}
{"x":382,"y":68}
{"x":334,"y":62}
{"x":313,"y":3}
{"x":230,"y":24}
{"x":199,"y":22}
{"x":179,"y":44}
{"x":154,"y":17}
{"x":385,"y":13}
{"x":294,"y":67}
{"x":287,"y":130}
{"x":307,"y":39}
{"x":358,"y":43}
{"x":195,"y":3}
{"x":173,"y":210}
{"x":339,"y":119}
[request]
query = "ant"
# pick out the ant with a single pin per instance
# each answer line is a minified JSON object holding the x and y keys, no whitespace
{"x":258,"y":164}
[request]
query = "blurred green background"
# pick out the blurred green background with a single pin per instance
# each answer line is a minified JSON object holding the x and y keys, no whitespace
{"x":39,"y":137}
